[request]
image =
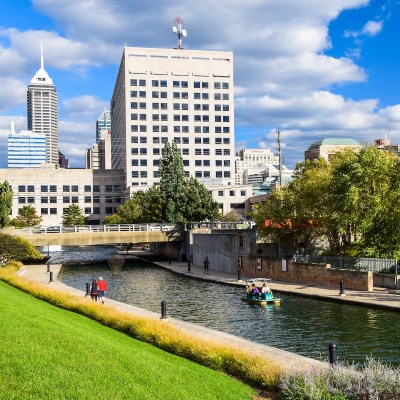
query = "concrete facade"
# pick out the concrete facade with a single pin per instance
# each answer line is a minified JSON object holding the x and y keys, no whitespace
{"x":50,"y":189}
{"x":326,"y":147}
{"x":164,"y":95}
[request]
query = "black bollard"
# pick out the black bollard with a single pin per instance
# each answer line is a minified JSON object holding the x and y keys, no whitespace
{"x":51,"y":277}
{"x":239,"y":275}
{"x":87,"y":289}
{"x":163,"y":309}
{"x":332,"y":353}
{"x":189,"y":266}
{"x":341,"y":288}
{"x":48,"y":267}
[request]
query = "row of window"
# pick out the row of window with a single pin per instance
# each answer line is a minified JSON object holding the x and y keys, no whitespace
{"x":186,"y":163}
{"x":231,"y":193}
{"x":176,"y":106}
{"x":178,"y":117}
{"x":183,"y":140}
{"x":67,"y":199}
{"x":197,"y":174}
{"x":69,"y":188}
{"x":87,"y":210}
{"x":157,"y":151}
{"x":183,"y":129}
{"x":179,"y":84}
{"x":142,"y":94}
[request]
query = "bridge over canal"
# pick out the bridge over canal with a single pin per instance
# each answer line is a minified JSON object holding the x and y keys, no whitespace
{"x":98,"y":234}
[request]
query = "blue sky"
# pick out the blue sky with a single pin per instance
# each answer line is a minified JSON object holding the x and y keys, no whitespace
{"x":312,"y":69}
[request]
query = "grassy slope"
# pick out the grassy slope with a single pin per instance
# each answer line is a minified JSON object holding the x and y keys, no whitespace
{"x":47,"y":352}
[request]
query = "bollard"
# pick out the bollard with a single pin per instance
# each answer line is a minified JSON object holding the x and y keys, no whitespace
{"x":169,"y":260}
{"x":51,"y":277}
{"x":163,"y":309}
{"x":189,"y":266}
{"x":332,"y":353}
{"x":341,"y":288}
{"x":239,"y":275}
{"x":87,"y":289}
{"x":48,"y":267}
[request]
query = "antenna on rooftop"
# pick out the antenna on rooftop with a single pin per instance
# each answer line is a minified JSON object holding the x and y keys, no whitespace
{"x":179,"y":31}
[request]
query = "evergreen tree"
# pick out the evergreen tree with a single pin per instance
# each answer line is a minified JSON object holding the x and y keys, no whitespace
{"x":199,"y":204}
{"x":172,"y":183}
{"x":73,"y":215}
{"x":6,"y":195}
{"x":26,"y":217}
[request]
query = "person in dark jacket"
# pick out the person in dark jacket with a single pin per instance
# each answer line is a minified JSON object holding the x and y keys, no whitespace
{"x":206,"y":265}
{"x":94,"y":290}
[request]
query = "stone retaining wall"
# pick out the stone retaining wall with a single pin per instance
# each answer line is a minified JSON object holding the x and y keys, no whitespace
{"x":314,"y":274}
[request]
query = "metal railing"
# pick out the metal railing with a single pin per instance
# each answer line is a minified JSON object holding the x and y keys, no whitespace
{"x":358,"y":264}
{"x":97,"y":228}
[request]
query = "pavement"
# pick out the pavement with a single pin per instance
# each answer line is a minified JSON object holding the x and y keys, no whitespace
{"x":378,"y":298}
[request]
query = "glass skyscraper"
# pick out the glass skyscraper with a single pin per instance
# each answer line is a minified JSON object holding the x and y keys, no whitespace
{"x":26,"y":149}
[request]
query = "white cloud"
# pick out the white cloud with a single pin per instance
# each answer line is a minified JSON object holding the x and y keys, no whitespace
{"x":12,"y":93}
{"x":372,"y":28}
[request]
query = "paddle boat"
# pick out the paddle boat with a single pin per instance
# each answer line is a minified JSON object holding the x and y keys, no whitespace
{"x":259,"y":298}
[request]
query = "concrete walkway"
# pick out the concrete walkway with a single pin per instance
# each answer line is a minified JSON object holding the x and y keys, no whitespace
{"x":378,"y":298}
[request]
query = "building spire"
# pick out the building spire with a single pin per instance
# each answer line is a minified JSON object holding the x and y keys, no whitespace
{"x":41,"y":55}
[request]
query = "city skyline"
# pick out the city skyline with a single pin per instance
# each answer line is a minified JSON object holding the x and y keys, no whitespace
{"x":311,"y":70}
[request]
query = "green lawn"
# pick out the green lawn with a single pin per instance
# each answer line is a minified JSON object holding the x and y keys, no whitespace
{"x":50,"y":353}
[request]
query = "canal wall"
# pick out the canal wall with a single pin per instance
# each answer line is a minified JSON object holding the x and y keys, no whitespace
{"x":314,"y":274}
{"x":389,"y":281}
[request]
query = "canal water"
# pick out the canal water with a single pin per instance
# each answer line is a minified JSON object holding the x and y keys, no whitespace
{"x":299,"y":325}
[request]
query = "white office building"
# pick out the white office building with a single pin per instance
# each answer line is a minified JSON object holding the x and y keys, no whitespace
{"x":43,"y":111}
{"x":177,"y":95}
{"x":26,"y":149}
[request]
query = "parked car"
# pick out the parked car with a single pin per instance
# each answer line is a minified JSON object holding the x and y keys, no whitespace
{"x":53,"y":229}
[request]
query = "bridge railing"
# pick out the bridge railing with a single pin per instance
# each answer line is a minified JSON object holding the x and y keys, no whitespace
{"x":96,"y":228}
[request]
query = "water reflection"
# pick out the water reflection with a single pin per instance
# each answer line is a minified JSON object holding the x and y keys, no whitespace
{"x":300,"y":325}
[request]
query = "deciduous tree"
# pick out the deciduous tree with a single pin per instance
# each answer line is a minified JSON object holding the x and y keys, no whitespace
{"x":17,"y":249}
{"x":6,"y":195}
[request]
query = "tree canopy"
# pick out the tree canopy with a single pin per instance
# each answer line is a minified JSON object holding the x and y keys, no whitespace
{"x":6,"y":195}
{"x":27,"y":216}
{"x":73,"y":215}
{"x":354,"y":198}
{"x":15,"y":248}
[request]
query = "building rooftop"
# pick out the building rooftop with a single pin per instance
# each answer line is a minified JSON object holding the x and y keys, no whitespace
{"x":335,"y":142}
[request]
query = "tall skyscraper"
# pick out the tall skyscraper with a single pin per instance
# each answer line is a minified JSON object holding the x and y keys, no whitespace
{"x":177,"y":95}
{"x":43,"y":110}
{"x":103,"y":123}
{"x":26,"y":149}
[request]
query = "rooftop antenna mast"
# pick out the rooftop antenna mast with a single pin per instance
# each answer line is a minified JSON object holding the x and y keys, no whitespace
{"x":179,"y":31}
{"x":278,"y":132}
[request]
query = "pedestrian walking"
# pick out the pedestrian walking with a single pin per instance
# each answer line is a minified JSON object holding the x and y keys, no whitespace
{"x":94,"y":290}
{"x":101,"y":283}
{"x":206,"y":265}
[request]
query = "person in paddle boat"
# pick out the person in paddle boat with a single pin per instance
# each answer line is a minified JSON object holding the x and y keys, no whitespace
{"x":265,"y":291}
{"x":254,"y":292}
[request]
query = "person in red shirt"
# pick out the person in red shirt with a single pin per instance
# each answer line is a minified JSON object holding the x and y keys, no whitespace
{"x":102,"y":285}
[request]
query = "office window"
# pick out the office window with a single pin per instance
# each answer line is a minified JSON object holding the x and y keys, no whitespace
{"x":88,"y":210}
{"x":207,"y":174}
{"x":134,"y":128}
{"x":227,"y":163}
{"x":163,"y":95}
{"x":96,"y":199}
{"x":185,"y":129}
{"x":155,"y":106}
{"x":109,"y":188}
{"x":21,"y":200}
{"x":44,"y":211}
{"x":163,"y":83}
{"x":155,"y":83}
{"x":198,"y":174}
{"x":65,"y":188}
{"x":218,"y":129}
{"x":225,"y":85}
{"x":134,"y":151}
{"x":197,"y":152}
{"x":184,"y":84}
{"x":227,"y":152}
{"x":220,"y":193}
{"x":88,"y":199}
{"x":44,"y":199}
{"x":176,"y":95}
{"x":204,"y":85}
{"x":87,"y":188}
{"x":218,"y":174}
{"x":164,"y":106}
{"x":74,"y":188}
{"x":156,"y":163}
{"x":225,"y":107}
{"x":142,"y":106}
{"x":74,"y":199}
{"x":206,"y":163}
{"x":206,"y":118}
{"x":175,"y":84}
{"x":205,"y":107}
{"x":142,"y":82}
{"x":225,"y":129}
{"x":218,"y":118}
{"x":196,"y":85}
{"x":243,"y":193}
{"x":227,"y":141}
{"x":185,"y":95}
{"x":53,"y":199}
{"x":177,"y":117}
{"x":225,"y":118}
{"x":217,"y":85}
{"x":156,"y":140}
{"x":53,"y":211}
{"x":143,"y":117}
{"x":143,"y":174}
{"x":156,"y":117}
{"x":155,"y":94}
{"x":96,"y":210}
{"x":164,"y":117}
{"x":66,"y":199}
{"x":134,"y":105}
{"x":133,"y":82}
{"x":197,"y":140}
{"x":204,"y":96}
{"x":96,"y":188}
{"x":109,"y":199}
{"x":143,"y":139}
{"x":143,"y":163}
{"x":197,"y":163}
{"x":176,"y":106}
{"x":227,"y":174}
{"x":44,"y":188}
{"x":206,"y":152}
{"x":197,"y":129}
{"x":196,"y":96}
{"x":135,"y":163}
{"x":134,"y":93}
{"x":185,"y":106}
{"x":185,"y":163}
{"x":31,"y":188}
{"x":143,"y":152}
{"x":143,"y":128}
{"x":134,"y":139}
{"x":217,"y":107}
{"x":218,"y":163}
{"x":53,"y":188}
{"x":225,"y":96}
